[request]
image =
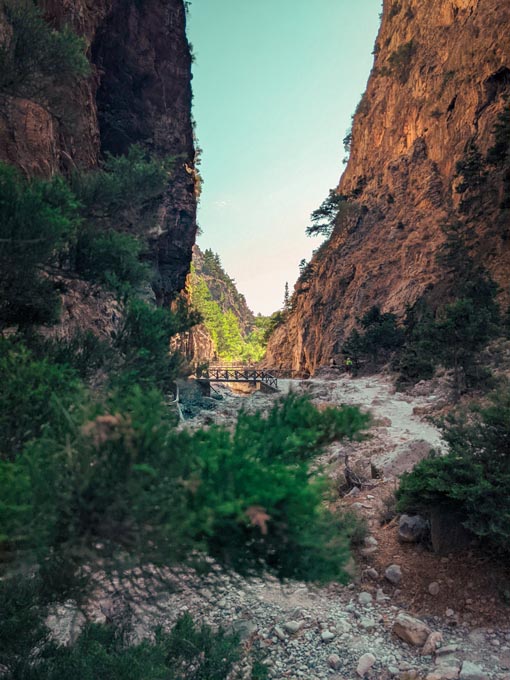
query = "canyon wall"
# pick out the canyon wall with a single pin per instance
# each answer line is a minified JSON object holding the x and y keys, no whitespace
{"x":139,"y":91}
{"x":440,"y":81}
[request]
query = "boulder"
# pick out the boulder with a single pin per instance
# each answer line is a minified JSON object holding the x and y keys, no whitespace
{"x":411,"y":630}
{"x":471,"y":671}
{"x":412,"y":528}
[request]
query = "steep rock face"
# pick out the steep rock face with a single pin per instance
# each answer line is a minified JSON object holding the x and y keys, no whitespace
{"x":440,"y":78}
{"x":139,"y":91}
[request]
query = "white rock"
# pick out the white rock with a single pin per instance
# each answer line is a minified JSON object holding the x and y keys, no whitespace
{"x":471,"y":671}
{"x":365,"y":664}
{"x":327,"y":636}
{"x":293,"y":626}
{"x":365,"y":598}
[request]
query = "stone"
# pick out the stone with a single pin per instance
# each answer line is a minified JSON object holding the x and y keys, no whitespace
{"x":327,"y":636}
{"x":433,"y":588}
{"x":432,"y":643}
{"x":280,"y":633}
{"x":393,"y":574}
{"x":411,"y":630}
{"x":334,"y":662}
{"x":380,"y":596}
{"x":365,"y":663}
{"x":471,"y":671}
{"x":373,"y":573}
{"x":293,"y":626}
{"x":245,"y":629}
{"x":365,"y":598}
{"x":370,"y":542}
{"x":412,"y":528}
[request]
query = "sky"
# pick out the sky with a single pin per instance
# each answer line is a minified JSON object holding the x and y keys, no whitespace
{"x":275,"y":83}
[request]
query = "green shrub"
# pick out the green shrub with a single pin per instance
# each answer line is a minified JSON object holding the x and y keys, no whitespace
{"x":143,"y":342}
{"x":473,"y":479}
{"x":126,"y":192}
{"x":381,"y":335}
{"x":39,"y":218}
{"x":400,"y":62}
{"x":83,"y":352}
{"x":35,"y":394}
{"x":111,"y":258}
{"x":125,"y":480}
{"x":36,"y":60}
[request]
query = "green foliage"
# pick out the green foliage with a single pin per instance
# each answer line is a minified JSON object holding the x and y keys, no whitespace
{"x":125,"y":192}
{"x":400,"y":62}
{"x":84,"y":352}
{"x":38,"y":219}
{"x":473,"y":177}
{"x":381,"y":333}
{"x":418,"y":358}
{"x":500,"y":153}
{"x":122,"y":480}
{"x":143,"y":342}
{"x":35,"y":395}
{"x":473,"y":479}
{"x":36,"y":61}
{"x":187,"y":652}
{"x":111,"y":258}
{"x":325,"y":217}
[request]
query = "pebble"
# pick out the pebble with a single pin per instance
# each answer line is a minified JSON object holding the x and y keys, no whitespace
{"x":434,"y":588}
{"x":293,"y":626}
{"x":327,"y":636}
{"x":335,"y":662}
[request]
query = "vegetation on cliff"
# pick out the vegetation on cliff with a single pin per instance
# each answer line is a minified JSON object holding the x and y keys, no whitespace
{"x":236,"y":333}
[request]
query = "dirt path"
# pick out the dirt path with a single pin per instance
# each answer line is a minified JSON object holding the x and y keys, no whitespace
{"x":317,"y":634}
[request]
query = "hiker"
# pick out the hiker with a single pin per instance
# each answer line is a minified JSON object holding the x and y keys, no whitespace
{"x":348,"y":365}
{"x":332,"y":363}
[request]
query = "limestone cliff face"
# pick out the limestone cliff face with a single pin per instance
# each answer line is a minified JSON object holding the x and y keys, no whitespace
{"x":440,"y":79}
{"x":139,"y":92}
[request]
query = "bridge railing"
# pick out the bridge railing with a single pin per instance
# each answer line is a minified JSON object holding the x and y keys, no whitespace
{"x":240,"y":374}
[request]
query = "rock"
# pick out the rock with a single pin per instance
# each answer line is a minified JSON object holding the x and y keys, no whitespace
{"x":373,"y":573}
{"x":434,"y":588}
{"x":411,"y":630}
{"x":471,"y":671}
{"x":280,"y":633}
{"x":412,"y":528}
{"x":370,"y":542}
{"x":245,"y":629}
{"x":334,"y":662}
{"x":393,"y":574}
{"x":327,"y":636}
{"x":365,"y":664}
{"x":293,"y":626}
{"x":365,"y":598}
{"x":432,"y":643}
{"x":449,"y":613}
{"x":447,"y":533}
{"x":381,"y":597}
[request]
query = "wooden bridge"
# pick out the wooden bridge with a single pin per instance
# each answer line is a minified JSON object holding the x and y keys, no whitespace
{"x":239,"y":374}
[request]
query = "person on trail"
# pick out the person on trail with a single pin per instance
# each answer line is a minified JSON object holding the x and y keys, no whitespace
{"x":348,"y":365}
{"x":332,"y":363}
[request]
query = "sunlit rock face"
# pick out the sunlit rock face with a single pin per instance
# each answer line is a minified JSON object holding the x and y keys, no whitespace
{"x":422,"y":107}
{"x":139,"y":92}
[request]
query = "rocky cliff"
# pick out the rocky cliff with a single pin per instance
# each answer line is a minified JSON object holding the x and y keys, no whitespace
{"x":139,"y":91}
{"x":439,"y":84}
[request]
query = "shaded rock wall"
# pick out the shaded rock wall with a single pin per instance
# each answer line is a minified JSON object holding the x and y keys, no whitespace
{"x":139,"y":91}
{"x":421,"y":109}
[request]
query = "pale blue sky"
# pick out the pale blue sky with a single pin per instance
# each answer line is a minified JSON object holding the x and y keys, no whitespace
{"x":275,"y":83}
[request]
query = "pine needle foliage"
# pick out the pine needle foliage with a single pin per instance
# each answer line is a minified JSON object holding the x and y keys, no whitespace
{"x":37,"y":61}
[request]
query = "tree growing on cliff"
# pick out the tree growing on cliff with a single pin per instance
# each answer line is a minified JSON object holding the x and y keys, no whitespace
{"x":39,"y":218}
{"x":37,"y":61}
{"x":323,"y":220}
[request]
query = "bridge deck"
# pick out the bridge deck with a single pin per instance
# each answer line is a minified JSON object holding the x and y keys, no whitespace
{"x":245,"y":375}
